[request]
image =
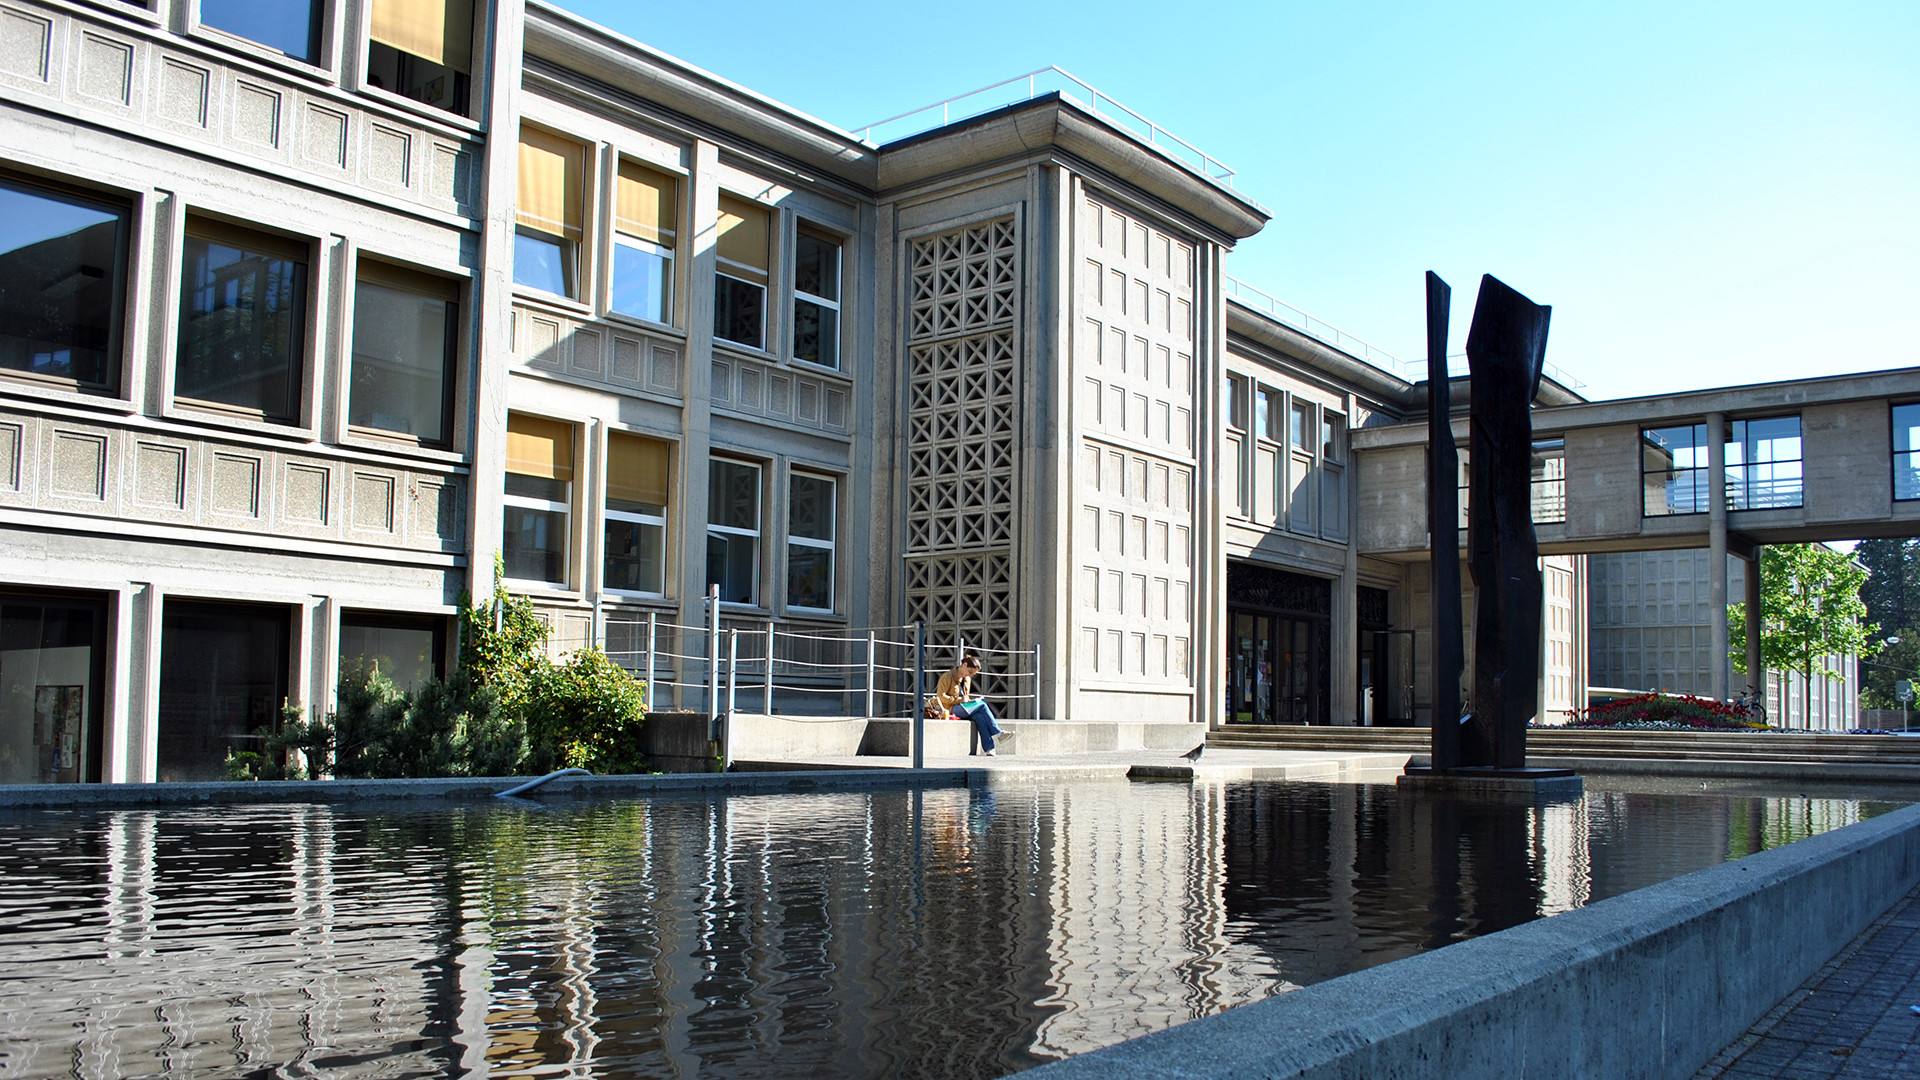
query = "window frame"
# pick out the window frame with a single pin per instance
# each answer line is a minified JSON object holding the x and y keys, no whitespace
{"x":455,"y":349}
{"x":634,"y":517}
{"x":303,"y":356}
{"x":125,"y":272}
{"x":476,"y":46}
{"x":720,"y":271}
{"x":325,"y":37}
{"x":378,"y":619}
{"x":669,"y":254}
{"x":575,"y":268}
{"x":1239,"y":442}
{"x":1701,"y":448}
{"x":757,"y":533}
{"x":1745,"y":469}
{"x":804,"y":230}
{"x":830,"y":546}
{"x":1895,"y":453}
{"x":564,"y":508}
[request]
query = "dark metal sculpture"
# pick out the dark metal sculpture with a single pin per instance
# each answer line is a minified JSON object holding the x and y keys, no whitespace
{"x":1505,"y":349}
{"x":1443,"y":532}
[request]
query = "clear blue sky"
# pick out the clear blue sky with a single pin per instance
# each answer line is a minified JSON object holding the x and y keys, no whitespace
{"x":1706,"y":192}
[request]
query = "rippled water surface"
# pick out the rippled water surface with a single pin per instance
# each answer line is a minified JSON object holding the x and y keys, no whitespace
{"x":946,"y":932}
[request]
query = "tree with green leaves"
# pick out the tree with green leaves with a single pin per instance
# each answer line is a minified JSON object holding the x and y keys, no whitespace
{"x":1810,"y":611}
{"x":1892,"y":596}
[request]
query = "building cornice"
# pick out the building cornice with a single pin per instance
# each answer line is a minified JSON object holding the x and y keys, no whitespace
{"x":1260,"y":330}
{"x":571,"y":43}
{"x":1052,"y":124}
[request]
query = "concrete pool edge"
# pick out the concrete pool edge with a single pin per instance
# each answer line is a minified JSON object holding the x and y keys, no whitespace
{"x":571,"y":788}
{"x":1653,"y":983}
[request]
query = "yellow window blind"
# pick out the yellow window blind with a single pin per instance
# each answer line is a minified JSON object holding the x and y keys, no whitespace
{"x":743,"y":239}
{"x":538,"y":447}
{"x":637,"y":469}
{"x":645,"y":205}
{"x":549,"y":189}
{"x":439,"y":31}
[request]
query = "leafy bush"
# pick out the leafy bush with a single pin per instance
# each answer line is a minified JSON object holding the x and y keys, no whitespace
{"x":505,"y":710}
{"x":1668,"y":712}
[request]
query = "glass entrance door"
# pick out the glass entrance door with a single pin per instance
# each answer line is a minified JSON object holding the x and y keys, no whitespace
{"x":1273,"y":669}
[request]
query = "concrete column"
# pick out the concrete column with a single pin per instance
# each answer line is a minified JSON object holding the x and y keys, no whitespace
{"x":696,"y":420}
{"x":1756,"y":674}
{"x":1717,"y":551}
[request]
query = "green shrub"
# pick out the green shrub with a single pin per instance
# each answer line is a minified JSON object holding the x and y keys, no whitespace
{"x":588,"y":713}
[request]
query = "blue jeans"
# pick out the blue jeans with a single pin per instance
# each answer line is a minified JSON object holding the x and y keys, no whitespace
{"x":983,"y":721}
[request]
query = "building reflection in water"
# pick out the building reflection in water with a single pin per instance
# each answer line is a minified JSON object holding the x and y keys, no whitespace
{"x":941,"y":932}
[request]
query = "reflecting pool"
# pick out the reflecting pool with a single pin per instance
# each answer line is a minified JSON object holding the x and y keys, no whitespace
{"x":937,"y":932}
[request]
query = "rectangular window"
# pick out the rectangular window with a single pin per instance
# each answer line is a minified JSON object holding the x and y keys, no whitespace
{"x":539,"y":499}
{"x":405,"y":328}
{"x":1238,"y":445}
{"x":1763,"y":463}
{"x":410,"y":650}
{"x":52,"y":675}
{"x":289,"y":26}
{"x":243,"y":314}
{"x":740,"y":283}
{"x":62,"y":276}
{"x":636,"y":529}
{"x":1268,"y":408}
{"x":1300,"y":427}
{"x":422,"y":49}
{"x":810,"y":542}
{"x":1302,"y":433}
{"x":733,"y":530}
{"x":1549,"y":480}
{"x":223,"y":680}
{"x":1673,"y":470}
{"x":644,"y":216}
{"x":1333,"y":475}
{"x":1906,"y":445}
{"x":816,"y":298}
{"x":547,"y":215}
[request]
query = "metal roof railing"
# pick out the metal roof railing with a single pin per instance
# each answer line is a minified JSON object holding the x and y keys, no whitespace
{"x":1033,"y":84}
{"x":1357,"y":347}
{"x":1321,"y":330}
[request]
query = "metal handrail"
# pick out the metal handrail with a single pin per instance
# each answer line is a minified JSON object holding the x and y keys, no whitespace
{"x":1318,"y":328}
{"x":1201,"y":162}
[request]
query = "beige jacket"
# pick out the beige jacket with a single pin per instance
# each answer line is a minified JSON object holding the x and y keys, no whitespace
{"x":952,"y":689}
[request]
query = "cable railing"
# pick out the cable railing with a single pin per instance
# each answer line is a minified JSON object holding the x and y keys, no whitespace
{"x":729,"y":665}
{"x":1033,"y":84}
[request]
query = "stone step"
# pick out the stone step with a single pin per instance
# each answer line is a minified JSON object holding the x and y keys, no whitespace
{"x":1683,"y":745}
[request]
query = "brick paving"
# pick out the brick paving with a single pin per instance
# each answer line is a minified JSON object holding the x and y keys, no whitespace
{"x":1853,"y":1019}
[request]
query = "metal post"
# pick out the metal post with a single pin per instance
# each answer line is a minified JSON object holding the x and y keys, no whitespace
{"x":869,"y":674}
{"x":769,"y":694}
{"x":733,"y":667}
{"x":713,"y":663}
{"x":1036,"y":680}
{"x":653,"y":626}
{"x":918,"y":749}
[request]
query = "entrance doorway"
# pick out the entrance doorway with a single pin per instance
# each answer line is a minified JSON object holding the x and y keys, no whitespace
{"x":1277,"y":660}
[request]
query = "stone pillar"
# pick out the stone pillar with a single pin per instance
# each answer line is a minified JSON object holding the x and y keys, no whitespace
{"x":1756,"y":671}
{"x":1717,"y":553}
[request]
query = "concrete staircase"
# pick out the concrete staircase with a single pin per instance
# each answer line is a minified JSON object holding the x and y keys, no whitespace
{"x":1897,"y":757}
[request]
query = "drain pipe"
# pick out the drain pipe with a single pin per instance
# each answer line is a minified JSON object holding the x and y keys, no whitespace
{"x":531,"y":784}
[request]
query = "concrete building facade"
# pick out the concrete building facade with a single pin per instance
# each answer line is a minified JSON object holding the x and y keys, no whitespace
{"x":315,"y":318}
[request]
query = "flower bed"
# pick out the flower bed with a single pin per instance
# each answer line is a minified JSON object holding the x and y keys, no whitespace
{"x":1668,"y":712}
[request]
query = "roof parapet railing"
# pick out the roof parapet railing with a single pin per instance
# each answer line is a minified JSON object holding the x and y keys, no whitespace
{"x":1550,"y":369}
{"x":1048,"y":80}
{"x":1321,"y":330}
{"x":1357,"y":347}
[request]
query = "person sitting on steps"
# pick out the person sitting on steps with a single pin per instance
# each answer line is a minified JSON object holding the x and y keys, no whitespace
{"x":955,"y":693}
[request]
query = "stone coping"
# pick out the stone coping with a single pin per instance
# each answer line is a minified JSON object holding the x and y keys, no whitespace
{"x":23,"y":796}
{"x":1652,"y":983}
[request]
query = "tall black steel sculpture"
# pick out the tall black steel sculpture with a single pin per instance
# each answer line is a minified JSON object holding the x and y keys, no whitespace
{"x":1505,"y":349}
{"x":1443,"y":532}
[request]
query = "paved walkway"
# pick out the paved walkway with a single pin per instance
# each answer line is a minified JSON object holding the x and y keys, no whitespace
{"x":1853,"y":1019}
{"x":1214,"y":764}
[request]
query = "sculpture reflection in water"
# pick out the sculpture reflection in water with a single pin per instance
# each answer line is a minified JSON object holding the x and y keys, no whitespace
{"x":903,"y":932}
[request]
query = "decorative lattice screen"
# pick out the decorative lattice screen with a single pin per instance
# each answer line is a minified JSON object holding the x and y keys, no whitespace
{"x":962,"y":422}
